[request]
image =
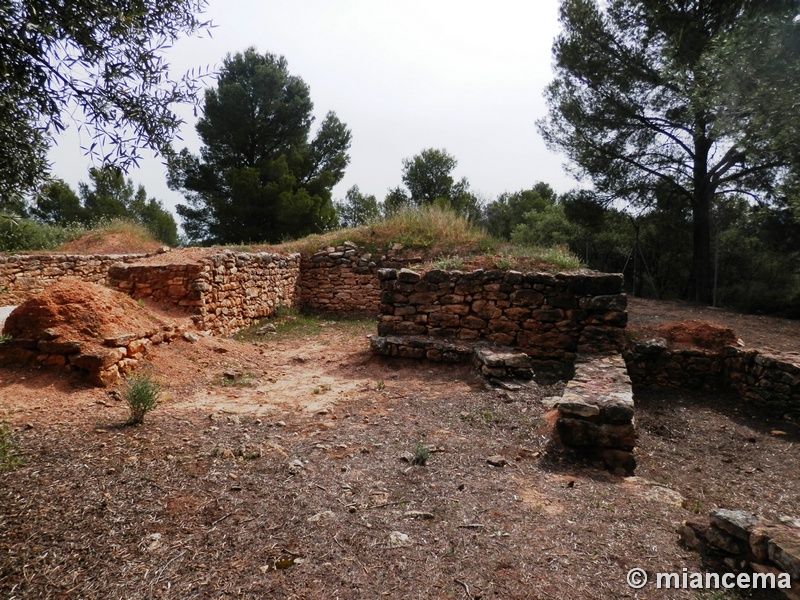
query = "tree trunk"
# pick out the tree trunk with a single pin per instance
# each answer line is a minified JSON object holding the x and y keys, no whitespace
{"x":702,"y":274}
{"x":701,"y":217}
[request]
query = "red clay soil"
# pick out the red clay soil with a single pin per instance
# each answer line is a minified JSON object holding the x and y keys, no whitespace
{"x":276,"y":466}
{"x":178,"y":256}
{"x":692,"y":334}
{"x":78,"y":311}
{"x":755,"y":331}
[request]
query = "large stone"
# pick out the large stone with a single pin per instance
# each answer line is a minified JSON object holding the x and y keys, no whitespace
{"x":738,"y":523}
{"x":723,"y":540}
{"x":408,"y":276}
{"x":578,"y":408}
{"x":784,"y":551}
{"x":59,"y":347}
{"x":99,"y":360}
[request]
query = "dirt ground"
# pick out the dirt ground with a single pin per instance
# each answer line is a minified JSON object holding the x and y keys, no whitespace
{"x":275,"y":468}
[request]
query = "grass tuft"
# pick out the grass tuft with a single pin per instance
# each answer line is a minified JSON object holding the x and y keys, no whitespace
{"x":421,"y":454}
{"x":9,"y":455}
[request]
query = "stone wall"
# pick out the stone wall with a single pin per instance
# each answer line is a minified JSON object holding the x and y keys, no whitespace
{"x":550,"y":317}
{"x":770,"y":381}
{"x":741,"y":542}
{"x":103,"y":365}
{"x":23,"y":275}
{"x":344,"y":278}
{"x":224,"y":292}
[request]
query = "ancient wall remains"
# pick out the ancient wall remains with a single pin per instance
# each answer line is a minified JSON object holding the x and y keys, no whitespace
{"x":23,"y":275}
{"x":595,"y":412}
{"x":344,"y":278}
{"x":768,"y":552}
{"x":771,"y":381}
{"x":550,"y":317}
{"x":224,"y":292}
{"x":104,"y":365}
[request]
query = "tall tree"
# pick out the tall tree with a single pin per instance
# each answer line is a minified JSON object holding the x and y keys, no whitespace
{"x":636,"y":105}
{"x":57,"y":204}
{"x":428,"y":178}
{"x":103,"y":62}
{"x":259,"y":177}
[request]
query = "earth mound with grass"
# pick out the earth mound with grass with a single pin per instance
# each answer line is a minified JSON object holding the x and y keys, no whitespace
{"x":116,"y":238}
{"x":79,"y":312}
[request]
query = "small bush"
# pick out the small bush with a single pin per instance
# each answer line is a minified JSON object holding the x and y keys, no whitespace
{"x":421,"y":454}
{"x":9,"y":457}
{"x":449,"y":263}
{"x":141,"y":393}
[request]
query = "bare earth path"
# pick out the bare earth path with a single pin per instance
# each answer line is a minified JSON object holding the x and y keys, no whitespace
{"x":274,"y":470}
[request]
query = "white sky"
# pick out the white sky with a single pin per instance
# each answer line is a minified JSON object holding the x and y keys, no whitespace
{"x":462,"y":75}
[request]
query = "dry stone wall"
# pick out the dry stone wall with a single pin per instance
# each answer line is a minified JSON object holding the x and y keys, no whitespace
{"x":24,"y":275}
{"x":103,"y":365}
{"x":770,"y":381}
{"x":595,"y":412}
{"x":740,"y":541}
{"x":550,"y":317}
{"x":344,"y":278}
{"x":225,"y":292}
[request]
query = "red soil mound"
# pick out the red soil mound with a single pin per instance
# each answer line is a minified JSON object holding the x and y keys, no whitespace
{"x":78,"y":311}
{"x":696,"y":334}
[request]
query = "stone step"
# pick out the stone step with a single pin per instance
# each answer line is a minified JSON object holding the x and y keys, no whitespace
{"x":493,"y":361}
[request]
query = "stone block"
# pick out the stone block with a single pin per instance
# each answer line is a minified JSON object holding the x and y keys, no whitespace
{"x":738,"y":523}
{"x":784,"y":550}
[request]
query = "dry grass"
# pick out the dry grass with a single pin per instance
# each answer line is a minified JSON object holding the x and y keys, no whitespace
{"x":431,"y":230}
{"x":117,"y":236}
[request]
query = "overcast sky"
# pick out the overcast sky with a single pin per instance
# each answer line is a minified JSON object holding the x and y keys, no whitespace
{"x":466,"y":76}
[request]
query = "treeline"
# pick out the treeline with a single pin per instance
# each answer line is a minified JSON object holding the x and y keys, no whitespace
{"x":755,"y":247}
{"x":56,"y":212}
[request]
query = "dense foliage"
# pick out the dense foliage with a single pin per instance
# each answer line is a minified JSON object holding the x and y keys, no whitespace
{"x":108,"y":196}
{"x":428,"y":180}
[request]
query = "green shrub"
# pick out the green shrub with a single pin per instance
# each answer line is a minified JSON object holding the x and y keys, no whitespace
{"x":421,"y":454}
{"x":9,"y":457}
{"x":141,"y":393}
{"x":20,"y":235}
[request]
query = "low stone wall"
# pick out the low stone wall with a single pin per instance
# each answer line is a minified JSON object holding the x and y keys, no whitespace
{"x":595,"y":413}
{"x":104,"y":365}
{"x":344,"y":278}
{"x":494,"y":362}
{"x":770,"y":381}
{"x":741,"y":542}
{"x":549,"y":317}
{"x":24,"y":275}
{"x":225,"y":292}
